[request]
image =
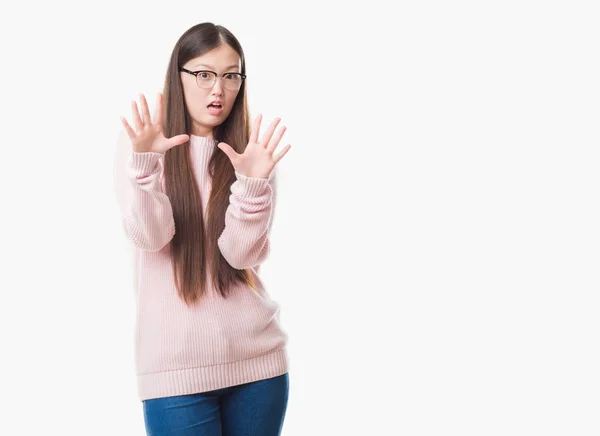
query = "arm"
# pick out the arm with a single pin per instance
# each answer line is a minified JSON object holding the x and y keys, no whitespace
{"x":244,"y":242}
{"x":146,"y":213}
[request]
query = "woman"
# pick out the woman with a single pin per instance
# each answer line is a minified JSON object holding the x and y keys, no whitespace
{"x":196,"y":190}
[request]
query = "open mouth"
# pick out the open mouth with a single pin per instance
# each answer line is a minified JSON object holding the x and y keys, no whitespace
{"x":215,"y":108}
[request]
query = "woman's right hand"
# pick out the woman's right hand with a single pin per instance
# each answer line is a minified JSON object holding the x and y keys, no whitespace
{"x":148,"y":135}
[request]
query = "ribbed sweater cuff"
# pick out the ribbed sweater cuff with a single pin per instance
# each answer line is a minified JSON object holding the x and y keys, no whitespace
{"x":250,"y":186}
{"x":143,"y":164}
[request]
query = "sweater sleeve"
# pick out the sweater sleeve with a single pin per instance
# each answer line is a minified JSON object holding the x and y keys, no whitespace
{"x":146,"y":214}
{"x":244,"y":242}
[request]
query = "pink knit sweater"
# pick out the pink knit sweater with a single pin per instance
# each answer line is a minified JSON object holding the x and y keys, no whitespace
{"x":220,"y":342}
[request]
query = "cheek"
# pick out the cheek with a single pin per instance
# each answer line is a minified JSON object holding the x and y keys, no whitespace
{"x":231,"y":101}
{"x":194,"y":99}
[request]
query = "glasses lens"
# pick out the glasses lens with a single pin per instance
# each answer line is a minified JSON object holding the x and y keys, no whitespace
{"x":205,"y":79}
{"x":232,"y":81}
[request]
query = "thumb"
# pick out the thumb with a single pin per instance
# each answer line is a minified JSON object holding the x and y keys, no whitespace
{"x":176,"y":140}
{"x":228,"y":150}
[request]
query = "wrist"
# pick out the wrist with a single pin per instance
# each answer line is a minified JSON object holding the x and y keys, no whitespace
{"x":253,"y":175}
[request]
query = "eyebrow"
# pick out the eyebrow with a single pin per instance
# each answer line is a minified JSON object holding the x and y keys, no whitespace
{"x":210,"y":66}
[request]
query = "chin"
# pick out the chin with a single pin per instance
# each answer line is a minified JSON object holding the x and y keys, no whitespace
{"x":210,"y":121}
{"x":214,"y":121}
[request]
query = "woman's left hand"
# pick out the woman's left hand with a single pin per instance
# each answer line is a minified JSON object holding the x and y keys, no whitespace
{"x":257,"y":161}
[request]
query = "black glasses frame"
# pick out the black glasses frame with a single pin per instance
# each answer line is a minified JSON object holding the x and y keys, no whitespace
{"x":195,"y":73}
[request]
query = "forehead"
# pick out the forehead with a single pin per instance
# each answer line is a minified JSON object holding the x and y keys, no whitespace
{"x":220,"y":58}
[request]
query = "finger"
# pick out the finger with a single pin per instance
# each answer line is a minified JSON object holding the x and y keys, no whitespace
{"x":230,"y":152}
{"x":145,"y":111}
{"x":128,"y":129}
{"x":275,"y":141}
{"x":177,"y":140}
{"x":158,"y":110}
{"x":137,"y":121}
{"x":265,"y":140}
{"x":255,"y":128}
{"x":283,"y":152}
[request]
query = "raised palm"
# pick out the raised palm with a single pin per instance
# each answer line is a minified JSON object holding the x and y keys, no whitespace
{"x":257,"y":160}
{"x":148,"y":135}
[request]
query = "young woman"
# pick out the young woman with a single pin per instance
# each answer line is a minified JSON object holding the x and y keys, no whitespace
{"x":196,"y":190}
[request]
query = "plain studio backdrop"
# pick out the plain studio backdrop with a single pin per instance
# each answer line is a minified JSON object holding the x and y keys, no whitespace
{"x":435,"y":248}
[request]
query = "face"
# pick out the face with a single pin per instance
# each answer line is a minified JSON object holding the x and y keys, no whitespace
{"x":203,"y":103}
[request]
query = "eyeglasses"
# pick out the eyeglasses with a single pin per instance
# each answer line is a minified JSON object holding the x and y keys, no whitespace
{"x":207,"y":79}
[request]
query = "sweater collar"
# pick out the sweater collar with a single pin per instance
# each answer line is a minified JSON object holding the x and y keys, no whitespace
{"x":202,"y":141}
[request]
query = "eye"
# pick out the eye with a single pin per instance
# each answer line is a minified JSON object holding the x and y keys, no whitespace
{"x":204,"y":75}
{"x":231,"y":76}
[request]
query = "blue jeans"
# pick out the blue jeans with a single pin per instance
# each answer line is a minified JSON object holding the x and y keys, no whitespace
{"x":251,"y":409}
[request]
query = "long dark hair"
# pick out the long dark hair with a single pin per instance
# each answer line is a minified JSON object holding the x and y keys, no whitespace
{"x":194,"y":249}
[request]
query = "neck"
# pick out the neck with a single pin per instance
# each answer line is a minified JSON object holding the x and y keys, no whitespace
{"x":204,"y":131}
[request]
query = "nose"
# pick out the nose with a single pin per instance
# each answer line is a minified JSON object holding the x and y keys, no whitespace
{"x":218,"y":86}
